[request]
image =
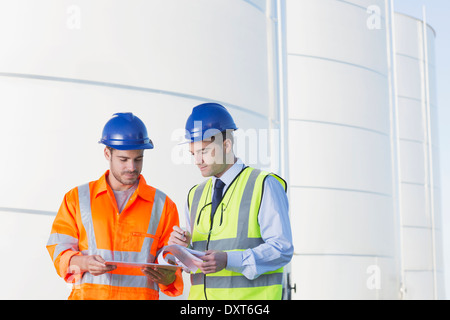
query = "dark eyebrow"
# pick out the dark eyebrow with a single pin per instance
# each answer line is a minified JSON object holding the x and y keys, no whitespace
{"x":125,"y":157}
{"x":200,"y":150}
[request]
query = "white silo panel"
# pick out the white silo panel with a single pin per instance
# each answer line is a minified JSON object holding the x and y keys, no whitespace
{"x":433,"y":93}
{"x":339,"y":119}
{"x":327,"y":91}
{"x":418,"y":169}
{"x":390,"y":280}
{"x":336,"y":30}
{"x":431,"y":45}
{"x":434,"y":119}
{"x":412,"y":162}
{"x":435,"y":153}
{"x":342,"y":277}
{"x":409,"y":73}
{"x":340,"y":157}
{"x":440,"y":280}
{"x":329,"y":227}
{"x":439,"y":256}
{"x":260,"y":4}
{"x":365,"y":4}
{"x":418,"y":248}
{"x":419,"y":285}
{"x":186,"y":47}
{"x":439,"y":243}
{"x":408,"y":36}
{"x":25,"y":259}
{"x":411,"y":125}
{"x":414,"y":205}
{"x":436,"y":168}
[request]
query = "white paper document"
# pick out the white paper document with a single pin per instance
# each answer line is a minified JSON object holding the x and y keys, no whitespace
{"x":184,"y":258}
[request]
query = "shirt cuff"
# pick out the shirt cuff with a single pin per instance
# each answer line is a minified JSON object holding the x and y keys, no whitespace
{"x":64,"y":264}
{"x":234,"y":261}
{"x":175,"y":288}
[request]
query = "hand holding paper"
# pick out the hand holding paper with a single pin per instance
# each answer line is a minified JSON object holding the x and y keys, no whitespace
{"x":186,"y":257}
{"x":213,"y":261}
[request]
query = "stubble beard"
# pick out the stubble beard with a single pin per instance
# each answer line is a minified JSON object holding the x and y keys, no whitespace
{"x":124,"y":181}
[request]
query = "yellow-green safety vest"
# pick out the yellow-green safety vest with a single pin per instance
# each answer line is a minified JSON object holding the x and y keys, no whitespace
{"x":234,"y":227}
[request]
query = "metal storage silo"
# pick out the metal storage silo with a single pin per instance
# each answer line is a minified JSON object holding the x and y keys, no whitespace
{"x":421,"y":230}
{"x":66,"y":67}
{"x":340,"y":152}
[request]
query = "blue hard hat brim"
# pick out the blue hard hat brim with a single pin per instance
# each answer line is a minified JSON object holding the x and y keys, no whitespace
{"x":120,"y":145}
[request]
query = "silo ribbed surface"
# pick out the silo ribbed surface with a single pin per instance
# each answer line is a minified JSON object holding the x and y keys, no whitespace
{"x":66,"y":67}
{"x":418,"y":159}
{"x":340,"y":152}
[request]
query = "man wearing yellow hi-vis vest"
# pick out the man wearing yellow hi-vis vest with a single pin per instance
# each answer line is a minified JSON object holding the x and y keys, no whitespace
{"x":238,"y":216}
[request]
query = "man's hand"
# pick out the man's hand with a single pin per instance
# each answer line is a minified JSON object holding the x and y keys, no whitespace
{"x":159,"y":275}
{"x":179,"y":236}
{"x":213,"y":261}
{"x":94,"y":264}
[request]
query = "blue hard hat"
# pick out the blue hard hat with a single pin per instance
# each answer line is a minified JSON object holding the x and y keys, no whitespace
{"x":207,"y":120}
{"x":125,"y":131}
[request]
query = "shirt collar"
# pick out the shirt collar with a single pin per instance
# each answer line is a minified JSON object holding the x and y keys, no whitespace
{"x":230,"y":174}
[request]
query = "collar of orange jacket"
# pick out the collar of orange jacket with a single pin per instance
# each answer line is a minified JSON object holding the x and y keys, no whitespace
{"x":143,"y":190}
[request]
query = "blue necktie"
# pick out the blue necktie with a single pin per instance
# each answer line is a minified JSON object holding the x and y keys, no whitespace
{"x":217,"y":197}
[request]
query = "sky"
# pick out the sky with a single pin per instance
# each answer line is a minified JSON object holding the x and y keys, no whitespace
{"x":438,"y":17}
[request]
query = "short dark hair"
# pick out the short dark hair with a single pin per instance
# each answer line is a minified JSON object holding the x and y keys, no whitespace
{"x":110,"y":149}
{"x":227,"y":134}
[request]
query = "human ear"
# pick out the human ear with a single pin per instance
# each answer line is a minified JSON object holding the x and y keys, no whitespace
{"x":227,"y":146}
{"x":107,"y":153}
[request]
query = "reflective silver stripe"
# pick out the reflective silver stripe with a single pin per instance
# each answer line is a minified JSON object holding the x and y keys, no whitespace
{"x":142,"y":256}
{"x":195,"y":202}
{"x":214,"y":282}
{"x":84,"y":200}
{"x":123,"y":255}
{"x":63,"y":242}
{"x":157,"y":209}
{"x":242,"y":240}
{"x":230,"y":244}
{"x":119,"y":280}
{"x":135,"y":281}
{"x":104,"y":279}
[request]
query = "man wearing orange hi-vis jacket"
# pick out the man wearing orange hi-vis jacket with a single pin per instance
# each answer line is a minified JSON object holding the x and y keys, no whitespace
{"x":118,"y":217}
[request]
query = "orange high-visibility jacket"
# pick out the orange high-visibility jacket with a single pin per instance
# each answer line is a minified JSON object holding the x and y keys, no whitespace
{"x":88,"y":223}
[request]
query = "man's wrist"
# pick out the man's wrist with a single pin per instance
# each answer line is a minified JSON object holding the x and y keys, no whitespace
{"x":77,"y":264}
